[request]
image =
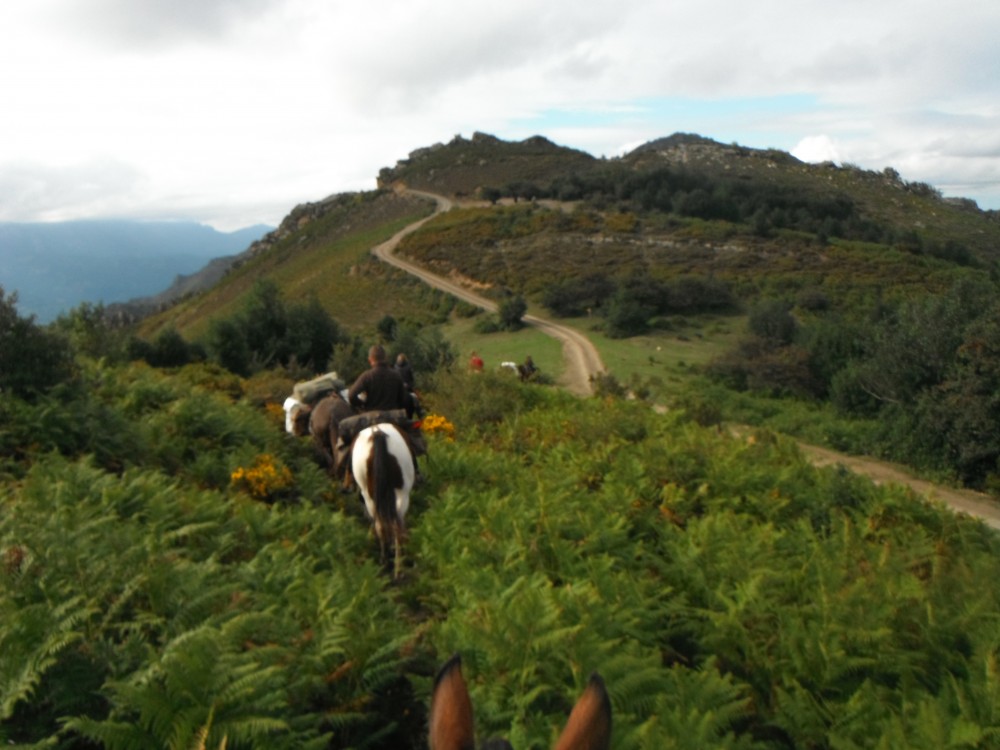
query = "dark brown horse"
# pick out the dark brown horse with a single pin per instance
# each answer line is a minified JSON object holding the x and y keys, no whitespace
{"x":451,"y":726}
{"x":321,"y":422}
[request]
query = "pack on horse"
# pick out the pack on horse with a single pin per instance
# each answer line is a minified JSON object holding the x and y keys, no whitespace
{"x":450,"y":725}
{"x":321,"y":421}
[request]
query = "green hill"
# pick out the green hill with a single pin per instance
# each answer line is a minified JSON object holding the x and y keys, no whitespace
{"x":761,"y":220}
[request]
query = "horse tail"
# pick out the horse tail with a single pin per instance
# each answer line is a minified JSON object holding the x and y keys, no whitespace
{"x":381,"y":479}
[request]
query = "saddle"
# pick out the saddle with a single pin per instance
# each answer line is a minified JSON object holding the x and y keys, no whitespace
{"x":349,"y":427}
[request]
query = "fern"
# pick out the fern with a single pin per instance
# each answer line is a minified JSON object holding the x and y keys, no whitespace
{"x":31,"y":641}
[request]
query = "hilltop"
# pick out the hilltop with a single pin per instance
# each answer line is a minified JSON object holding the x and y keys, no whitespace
{"x":679,"y":205}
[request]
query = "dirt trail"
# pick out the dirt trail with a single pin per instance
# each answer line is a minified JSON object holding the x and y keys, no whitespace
{"x":583,"y":360}
{"x":581,"y":357}
{"x":975,"y":504}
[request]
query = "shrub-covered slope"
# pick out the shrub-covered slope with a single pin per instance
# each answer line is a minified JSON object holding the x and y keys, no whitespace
{"x":320,"y":251}
{"x":176,"y":573}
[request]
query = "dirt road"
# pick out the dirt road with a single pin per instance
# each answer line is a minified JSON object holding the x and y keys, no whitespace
{"x":975,"y":504}
{"x":583,"y":360}
{"x":580,"y":356}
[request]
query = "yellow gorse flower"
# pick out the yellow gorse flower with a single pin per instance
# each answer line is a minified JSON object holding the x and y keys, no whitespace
{"x":435,"y":423}
{"x":263,"y":479}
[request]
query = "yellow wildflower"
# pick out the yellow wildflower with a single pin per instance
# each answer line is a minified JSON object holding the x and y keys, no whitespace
{"x":264,"y":479}
{"x":435,"y":423}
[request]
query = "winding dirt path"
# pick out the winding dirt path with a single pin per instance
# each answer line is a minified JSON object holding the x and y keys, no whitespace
{"x":975,"y":504}
{"x":582,"y":361}
{"x":581,"y":357}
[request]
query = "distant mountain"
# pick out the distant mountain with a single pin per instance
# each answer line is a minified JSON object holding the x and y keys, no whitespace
{"x":54,"y":267}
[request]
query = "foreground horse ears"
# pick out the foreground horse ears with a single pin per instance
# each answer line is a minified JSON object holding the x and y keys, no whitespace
{"x":451,"y":724}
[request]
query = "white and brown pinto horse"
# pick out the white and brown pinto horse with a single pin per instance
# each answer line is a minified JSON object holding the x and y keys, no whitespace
{"x":450,"y":725}
{"x":384,"y":469}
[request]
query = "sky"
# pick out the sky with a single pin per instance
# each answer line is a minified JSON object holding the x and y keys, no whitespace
{"x":231,"y":112}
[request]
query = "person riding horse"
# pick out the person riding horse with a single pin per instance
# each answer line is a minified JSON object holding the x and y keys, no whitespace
{"x":381,"y":389}
{"x":527,"y":370}
{"x":405,"y":371}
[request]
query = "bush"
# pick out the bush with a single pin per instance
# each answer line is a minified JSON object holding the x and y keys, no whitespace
{"x":510,"y":312}
{"x":269,"y":333}
{"x":32,"y":360}
{"x":772,"y":321}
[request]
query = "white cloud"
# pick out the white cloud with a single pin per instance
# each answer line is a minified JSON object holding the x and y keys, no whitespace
{"x":815,"y":149}
{"x":232,"y":111}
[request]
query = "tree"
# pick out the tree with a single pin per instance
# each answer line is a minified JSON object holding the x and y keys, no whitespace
{"x":32,"y":360}
{"x":386,"y":328}
{"x":264,"y":322}
{"x":90,"y":333}
{"x":266,"y":332}
{"x":511,"y":311}
{"x":228,"y":345}
{"x":626,"y":315}
{"x":964,"y":411}
{"x":170,"y":349}
{"x":310,"y":336}
{"x":576,"y":296}
{"x":772,"y":321}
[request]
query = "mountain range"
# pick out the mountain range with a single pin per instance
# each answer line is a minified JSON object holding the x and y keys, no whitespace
{"x":54,"y":267}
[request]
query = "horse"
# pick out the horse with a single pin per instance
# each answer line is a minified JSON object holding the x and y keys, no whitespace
{"x":384,"y":469}
{"x":321,"y":421}
{"x":450,"y":725}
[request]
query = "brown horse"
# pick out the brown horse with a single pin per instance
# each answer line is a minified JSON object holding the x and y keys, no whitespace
{"x":321,"y":422}
{"x":451,"y":725}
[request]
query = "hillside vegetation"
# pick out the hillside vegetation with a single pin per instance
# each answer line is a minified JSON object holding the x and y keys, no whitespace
{"x":320,"y":251}
{"x":177,"y":572}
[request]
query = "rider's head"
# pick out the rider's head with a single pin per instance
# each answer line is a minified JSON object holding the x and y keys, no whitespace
{"x":376,"y":355}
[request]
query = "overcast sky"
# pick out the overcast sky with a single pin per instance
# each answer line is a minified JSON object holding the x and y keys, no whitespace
{"x":230,"y":112}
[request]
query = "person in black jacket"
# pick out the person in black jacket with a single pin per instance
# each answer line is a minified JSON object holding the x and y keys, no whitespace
{"x":380,"y":388}
{"x":383,"y":390}
{"x":406,"y":373}
{"x":405,"y":370}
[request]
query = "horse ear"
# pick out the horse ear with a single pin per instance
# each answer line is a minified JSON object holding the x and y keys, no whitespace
{"x":589,"y":725}
{"x":450,"y":725}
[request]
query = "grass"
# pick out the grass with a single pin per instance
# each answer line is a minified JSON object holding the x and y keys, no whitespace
{"x":670,"y":355}
{"x":495,"y":348}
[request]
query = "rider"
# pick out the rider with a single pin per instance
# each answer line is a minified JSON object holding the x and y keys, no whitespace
{"x":405,"y":371}
{"x":383,"y":390}
{"x":528,"y":369}
{"x":382,"y":386}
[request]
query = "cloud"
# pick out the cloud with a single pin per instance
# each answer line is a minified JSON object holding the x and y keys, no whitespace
{"x":195,"y":105}
{"x":46,"y":193}
{"x":815,"y":149}
{"x":154,"y":23}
